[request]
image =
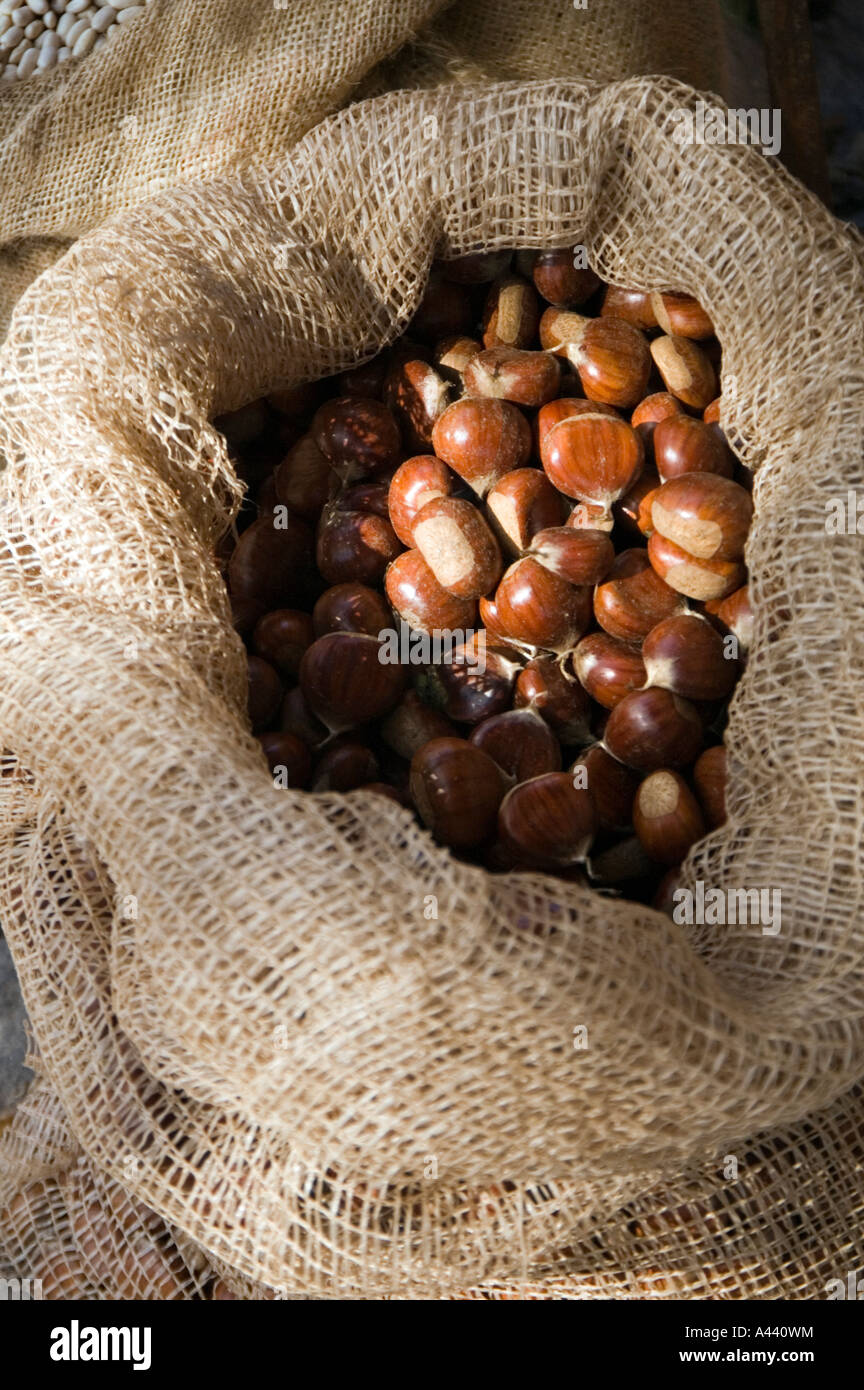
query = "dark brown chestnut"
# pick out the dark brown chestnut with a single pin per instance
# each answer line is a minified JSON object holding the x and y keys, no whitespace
{"x":358,"y":435}
{"x":686,"y":655}
{"x":304,"y":479}
{"x":559,"y":699}
{"x":650,"y":729}
{"x":264,"y":692}
{"x":709,"y":779}
{"x":457,"y":790}
{"x":666,"y":816}
{"x":469,"y":690}
{"x":281,"y":637}
{"x":344,"y":765}
{"x":581,"y":556}
{"x":560,"y":281}
{"x":477,"y":267}
{"x":351,"y":608}
{"x":269,"y":567}
{"x":412,"y":724}
{"x":445,"y":309}
{"x":288,"y":758}
{"x":608,"y":668}
{"x":345,"y":684}
{"x":611,"y":784}
{"x":540,"y":609}
{"x":633,"y":599}
{"x":520,"y":741}
{"x":548,"y":820}
{"x":684,"y":445}
{"x":416,"y":395}
{"x":354,"y":546}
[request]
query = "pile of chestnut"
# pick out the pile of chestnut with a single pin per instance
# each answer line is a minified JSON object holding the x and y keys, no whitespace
{"x":536,"y":470}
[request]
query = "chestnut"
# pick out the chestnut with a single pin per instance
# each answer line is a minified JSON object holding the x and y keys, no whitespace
{"x":458,"y":547}
{"x":304,"y":479}
{"x":660,"y":405}
{"x":593,"y":457}
{"x":521,"y":504}
{"x":269,"y":566}
{"x":711,"y":413}
{"x":453,"y":354}
{"x":281,"y":637}
{"x":513,"y":374}
{"x":540,"y":609}
{"x":666,"y":816}
{"x":686,"y":370}
{"x":681,"y":314}
{"x":706,"y":515}
{"x":591,"y":516}
{"x":288,"y":758}
{"x":457,"y":790}
{"x":345,"y":684}
{"x":623,"y":862}
{"x":351,"y":608}
{"x":735,"y":614}
{"x":354,"y":546}
{"x":481,"y":440}
{"x":565,"y":408}
{"x":358,"y":435}
{"x":416,"y":395}
{"x":386,"y":790}
{"x":633,"y":508}
{"x":477,"y":267}
{"x":611,"y":784}
{"x":548,"y":820}
{"x":558,"y":698}
{"x":634,"y":306}
{"x":444,"y":309}
{"x":610,"y":356}
{"x":560,"y":281}
{"x":343,"y":766}
{"x":608,"y":668}
{"x":697,"y":579}
{"x":653,"y":728}
{"x":511,"y":314}
{"x":581,"y":556}
{"x":418,"y":598}
{"x":469,"y":691}
{"x":686,"y":655}
{"x":264,"y":692}
{"x":412,"y":724}
{"x":521,"y":743}
{"x":633,"y":599}
{"x":709,"y":779}
{"x":684,"y":445}
{"x":369,"y":496}
{"x":416,"y":481}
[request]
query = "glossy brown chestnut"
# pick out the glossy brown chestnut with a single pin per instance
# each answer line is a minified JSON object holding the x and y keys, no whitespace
{"x":593,"y":457}
{"x":565,"y":408}
{"x":666,"y":816}
{"x":358,"y":435}
{"x":697,"y":579}
{"x":304,"y":479}
{"x":288,"y":758}
{"x":370,"y":496}
{"x":579,"y":555}
{"x":457,"y":790}
{"x":634,"y":306}
{"x":345,"y":684}
{"x":611,"y":784}
{"x":513,"y":374}
{"x":416,"y":481}
{"x":458,"y":547}
{"x":468,"y":691}
{"x":281,"y":637}
{"x":686,"y":370}
{"x":708,"y":516}
{"x":660,"y":405}
{"x":354,"y":546}
{"x":548,"y":820}
{"x":521,"y":743}
{"x":633,"y":508}
{"x":735,"y":614}
{"x":511,"y":314}
{"x":560,"y":281}
{"x":419,"y":599}
{"x":538,"y":608}
{"x":444,"y":309}
{"x":482,"y":440}
{"x":653,"y":728}
{"x":686,"y":655}
{"x":269,"y":567}
{"x":416,"y":395}
{"x":681,"y":314}
{"x":412,"y":724}
{"x":477,"y":268}
{"x":709,"y":779}
{"x":608,"y":668}
{"x":591,"y":516}
{"x":343,"y":766}
{"x":453,"y":354}
{"x":684,"y":445}
{"x":711,"y":413}
{"x":264,"y":692}
{"x":521,"y":504}
{"x":557,"y":698}
{"x":351,"y":608}
{"x":610,"y":356}
{"x":633,"y":599}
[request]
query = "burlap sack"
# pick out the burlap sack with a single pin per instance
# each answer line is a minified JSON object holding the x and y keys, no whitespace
{"x":194,"y":88}
{"x":247,"y":1017}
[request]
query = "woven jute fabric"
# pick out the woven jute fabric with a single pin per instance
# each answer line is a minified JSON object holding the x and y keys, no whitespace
{"x":194,"y":88}
{"x":260,"y":1053}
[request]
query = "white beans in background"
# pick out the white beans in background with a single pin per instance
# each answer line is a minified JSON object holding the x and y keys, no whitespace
{"x":34,"y":29}
{"x":40,"y":7}
{"x":76,"y":6}
{"x":7,"y":6}
{"x":77,"y":28}
{"x":22,"y":16}
{"x":50,"y":20}
{"x":11,"y":38}
{"x":27,"y":64}
{"x":5,"y":23}
{"x":105,"y":16}
{"x":65,"y":24}
{"x":127,"y":4}
{"x":84,"y":43}
{"x":19,"y":51}
{"x":132,"y":11}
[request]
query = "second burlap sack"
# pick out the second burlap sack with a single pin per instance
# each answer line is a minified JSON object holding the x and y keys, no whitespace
{"x":253,"y":1027}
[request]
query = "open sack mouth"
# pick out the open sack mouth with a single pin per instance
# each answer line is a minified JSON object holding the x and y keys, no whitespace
{"x":371,"y":639}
